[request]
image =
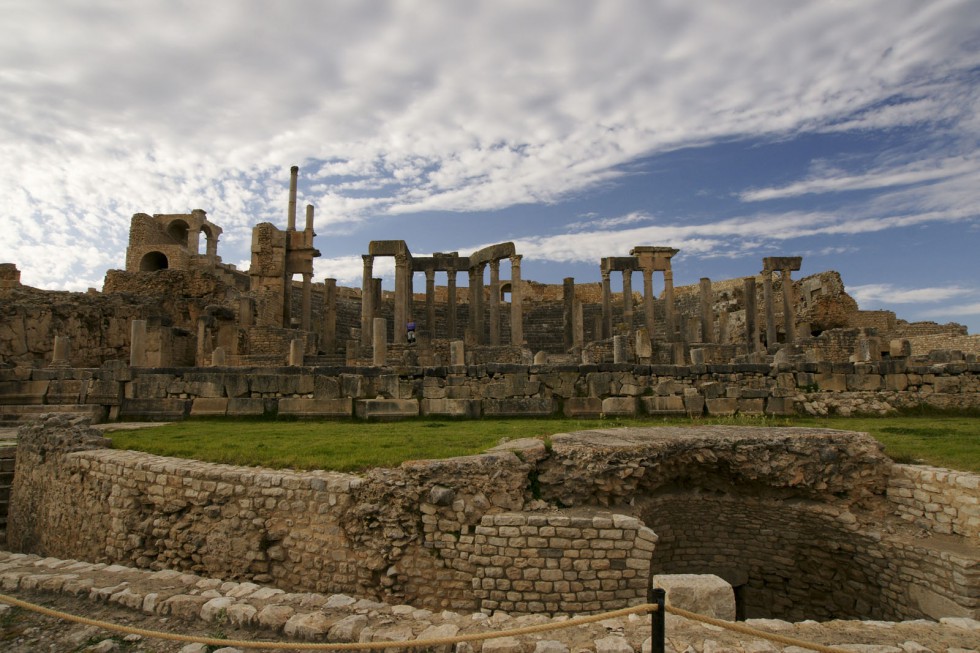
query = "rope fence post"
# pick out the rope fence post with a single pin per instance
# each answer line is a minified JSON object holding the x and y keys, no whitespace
{"x":658,"y":624}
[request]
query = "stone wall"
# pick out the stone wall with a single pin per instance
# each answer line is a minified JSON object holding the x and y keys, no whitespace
{"x":939,"y":500}
{"x":797,"y":517}
{"x":922,"y":345}
{"x":512,"y":388}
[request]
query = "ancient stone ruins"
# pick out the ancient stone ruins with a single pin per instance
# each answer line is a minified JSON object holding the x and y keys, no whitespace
{"x":792,"y":523}
{"x":180,"y":333}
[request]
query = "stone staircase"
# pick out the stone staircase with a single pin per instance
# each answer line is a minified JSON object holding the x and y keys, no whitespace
{"x":544,"y":326}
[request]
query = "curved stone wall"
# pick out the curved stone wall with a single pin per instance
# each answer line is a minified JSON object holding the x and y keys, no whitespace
{"x":797,"y":519}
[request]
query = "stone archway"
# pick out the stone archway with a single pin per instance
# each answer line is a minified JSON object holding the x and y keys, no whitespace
{"x":153,"y":261}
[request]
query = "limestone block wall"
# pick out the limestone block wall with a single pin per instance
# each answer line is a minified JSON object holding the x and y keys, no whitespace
{"x":922,"y":345}
{"x":425,"y":533}
{"x":557,"y":563}
{"x":939,"y":500}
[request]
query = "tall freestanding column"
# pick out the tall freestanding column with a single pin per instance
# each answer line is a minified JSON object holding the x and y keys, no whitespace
{"x":476,"y":303}
{"x":291,"y":216}
{"x":628,"y":299}
{"x":768,"y":307}
{"x":568,"y":296}
{"x":707,"y":317}
{"x":401,"y":299}
{"x":751,"y":330}
{"x":670,"y":311}
{"x":451,"y":303}
{"x":495,"y":302}
{"x":606,"y":307}
{"x":648,"y":300}
{"x":307,"y":308}
{"x":330,"y":315}
{"x":430,"y":302}
{"x":516,"y":302}
{"x":789,"y":315}
{"x":367,"y":300}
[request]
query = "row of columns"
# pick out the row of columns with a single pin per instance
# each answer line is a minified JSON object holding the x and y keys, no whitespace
{"x":404,"y":299}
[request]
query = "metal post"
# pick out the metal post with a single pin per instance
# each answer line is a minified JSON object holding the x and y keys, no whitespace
{"x":658,"y":628}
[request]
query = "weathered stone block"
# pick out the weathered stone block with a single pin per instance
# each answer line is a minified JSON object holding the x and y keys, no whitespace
{"x":451,"y":407}
{"x":385,"y":409}
{"x":660,"y":405}
{"x":751,"y":406}
{"x":863,"y":382}
{"x":722,"y":406}
{"x":303,"y":407}
{"x":162,"y":410}
{"x":619,"y":406}
{"x":519,"y":406}
{"x":831,"y":382}
{"x":241,"y":407}
{"x":582,"y":407}
{"x":209,"y":406}
{"x":702,"y":593}
{"x":693,"y":404}
{"x":23,"y":392}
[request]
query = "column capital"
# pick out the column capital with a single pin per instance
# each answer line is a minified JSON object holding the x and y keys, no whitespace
{"x":605,"y":275}
{"x":368,"y":259}
{"x":430,"y":274}
{"x":515,"y":259}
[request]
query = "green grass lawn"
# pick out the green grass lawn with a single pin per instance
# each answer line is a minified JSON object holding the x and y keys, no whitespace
{"x":940,"y":440}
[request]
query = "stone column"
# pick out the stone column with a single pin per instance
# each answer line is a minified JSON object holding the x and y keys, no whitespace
{"x":137,"y":343}
{"x":367,"y":297}
{"x":59,"y":357}
{"x":457,"y":353}
{"x":707,"y":319}
{"x":246,"y":308}
{"x":291,"y":216}
{"x":495,"y":302}
{"x":768,"y":307}
{"x":476,"y":290}
{"x":578,"y":324}
{"x":516,"y":302}
{"x":568,"y":297}
{"x":218,"y":357}
{"x":451,"y":303}
{"x":401,"y":299}
{"x":628,"y":299}
{"x":309,"y":217}
{"x":380,"y":341}
{"x":751,"y":330}
{"x":723,"y":327}
{"x":619,"y":349}
{"x":606,"y":307}
{"x":376,"y":297}
{"x":789,"y":315}
{"x":307,"y":309}
{"x":194,"y":240}
{"x":212,"y":246}
{"x":430,"y":301}
{"x":648,"y":301}
{"x":330,"y":315}
{"x":670,"y":311}
{"x":296,"y":346}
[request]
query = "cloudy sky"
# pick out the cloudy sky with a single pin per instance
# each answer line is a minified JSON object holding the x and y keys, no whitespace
{"x":843,"y":132}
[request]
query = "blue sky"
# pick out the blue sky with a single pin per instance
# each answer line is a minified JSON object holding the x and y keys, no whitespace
{"x":843,"y":132}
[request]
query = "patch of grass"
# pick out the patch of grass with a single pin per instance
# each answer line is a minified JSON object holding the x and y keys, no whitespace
{"x":944,"y":441}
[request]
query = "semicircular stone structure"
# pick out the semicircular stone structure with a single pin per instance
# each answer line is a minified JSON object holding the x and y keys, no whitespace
{"x":803,"y":523}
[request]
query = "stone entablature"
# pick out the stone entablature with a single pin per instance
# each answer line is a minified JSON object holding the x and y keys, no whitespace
{"x":789,"y":514}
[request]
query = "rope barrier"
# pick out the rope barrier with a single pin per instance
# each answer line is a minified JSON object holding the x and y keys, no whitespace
{"x":314,"y":646}
{"x":421,"y":643}
{"x":746,"y":630}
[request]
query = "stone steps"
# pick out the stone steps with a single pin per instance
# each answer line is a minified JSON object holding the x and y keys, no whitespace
{"x":12,"y":415}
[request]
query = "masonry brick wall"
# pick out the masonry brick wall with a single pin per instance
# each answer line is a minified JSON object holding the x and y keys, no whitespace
{"x":940,"y":500}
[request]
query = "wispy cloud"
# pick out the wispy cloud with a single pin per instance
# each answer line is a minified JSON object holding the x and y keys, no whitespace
{"x":960,"y":310}
{"x":839,"y":181}
{"x":886,"y":294}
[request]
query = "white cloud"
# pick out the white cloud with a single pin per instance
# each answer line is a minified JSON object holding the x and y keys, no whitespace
{"x":962,"y":310}
{"x":164,"y":107}
{"x":885,"y":294}
{"x":838,"y":181}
